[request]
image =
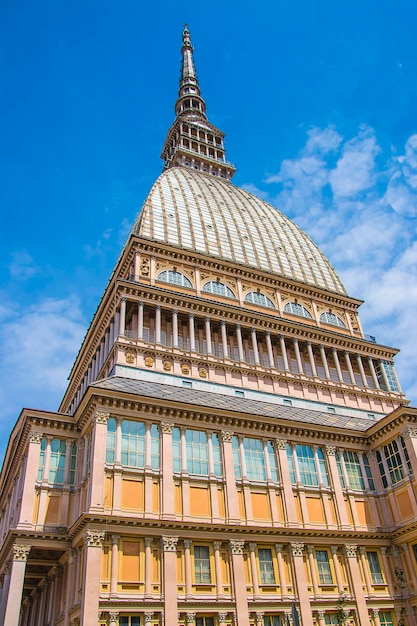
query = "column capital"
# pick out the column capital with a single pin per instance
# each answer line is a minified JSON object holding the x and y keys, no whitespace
{"x":280,"y":444}
{"x":101,"y":417}
{"x":113,"y":616}
{"x":123,"y":299}
{"x":383,"y":550}
{"x":222,"y":322}
{"x":331,"y":450}
{"x":222,"y":617}
{"x":351,"y":550}
{"x":148,"y":542}
{"x":279,"y":547}
{"x":252,"y":546}
{"x":115,"y":540}
{"x":362,"y":550}
{"x":191,"y":315}
{"x":375,"y":612}
{"x":166,"y":427}
{"x":187,"y":543}
{"x":169,"y":544}
{"x":321,"y":615}
{"x":94,"y":538}
{"x":259,"y":615}
{"x":334,"y":549}
{"x":310,"y":549}
{"x":297,"y":549}
{"x":236,"y":546}
{"x":21,"y":553}
{"x":190,"y":617}
{"x":148,"y":617}
{"x":217,"y":545}
{"x":410,"y":432}
{"x":35,"y":436}
{"x":226,"y":435}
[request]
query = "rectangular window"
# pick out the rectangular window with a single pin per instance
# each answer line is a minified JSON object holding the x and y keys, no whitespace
{"x":88,"y":453}
{"x":273,"y":620}
{"x":197,"y":452}
{"x":155,"y":447}
{"x":272,"y":461}
{"x":176,"y":449}
{"x":73,"y":464}
{"x":406,"y":456}
{"x":307,"y":466}
{"x":381,"y":469}
{"x":217,"y":456}
{"x":129,"y":620}
{"x":339,"y":470}
{"x":41,"y":458}
{"x":323,"y":567}
{"x":385,"y":618}
{"x":291,"y":464}
{"x":111,"y":440}
{"x":204,"y":621}
{"x":133,"y":444}
{"x":323,"y":467}
{"x":255,"y":460}
{"x":368,"y":472}
{"x":393,"y":458}
{"x":236,"y":457}
{"x":57,"y":461}
{"x":375,"y":568}
{"x":353,"y":470}
{"x":202,"y":565}
{"x":266,"y":567}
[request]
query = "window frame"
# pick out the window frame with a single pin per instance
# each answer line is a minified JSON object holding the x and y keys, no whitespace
{"x":266,"y":567}
{"x":175,"y":278}
{"x":324,"y":568}
{"x":202,"y":565}
{"x":263,"y":300}
{"x":295,"y":308}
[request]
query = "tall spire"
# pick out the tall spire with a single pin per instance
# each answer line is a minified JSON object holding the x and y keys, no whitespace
{"x":192,"y":141}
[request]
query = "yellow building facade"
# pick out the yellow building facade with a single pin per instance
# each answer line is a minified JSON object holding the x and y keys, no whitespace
{"x":231,"y":448}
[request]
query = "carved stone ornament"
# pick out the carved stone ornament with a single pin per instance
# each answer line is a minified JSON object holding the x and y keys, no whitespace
{"x":191,"y":618}
{"x":331,"y":450}
{"x":297,"y":549}
{"x":227,"y":436}
{"x":166,"y":427}
{"x":94,"y":538}
{"x":148,"y":617}
{"x":222,"y":617}
{"x":410,"y":432}
{"x":280,"y":444}
{"x":101,"y":417}
{"x":115,"y":540}
{"x":351,"y":550}
{"x":185,"y":369}
{"x":35,"y":436}
{"x":167,"y":365}
{"x":21,"y":553}
{"x":149,"y":361}
{"x":236,"y":547}
{"x":169,"y":544}
{"x":145,"y":267}
{"x":202,"y":372}
{"x":113,"y":616}
{"x":130,"y":357}
{"x":148,"y":542}
{"x":321,"y":615}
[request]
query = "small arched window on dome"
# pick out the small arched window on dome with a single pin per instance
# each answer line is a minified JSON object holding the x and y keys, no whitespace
{"x":332,"y":319}
{"x":175,"y":278}
{"x":297,"y":309}
{"x":218,"y":289}
{"x":260,"y":299}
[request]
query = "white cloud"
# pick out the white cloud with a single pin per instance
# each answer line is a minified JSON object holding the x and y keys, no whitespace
{"x":22,"y":266}
{"x":402,"y":186}
{"x":355,"y":169}
{"x":38,"y":345}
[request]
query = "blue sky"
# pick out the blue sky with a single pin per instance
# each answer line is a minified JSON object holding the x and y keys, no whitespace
{"x":319,"y":103}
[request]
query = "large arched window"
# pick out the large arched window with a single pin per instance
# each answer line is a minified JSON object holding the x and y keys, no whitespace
{"x":332,"y":319}
{"x":218,"y":289}
{"x":297,"y":309}
{"x":175,"y":278}
{"x":254,"y":297}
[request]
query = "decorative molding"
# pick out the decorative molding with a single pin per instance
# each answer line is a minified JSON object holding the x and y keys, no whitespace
{"x":331,"y":450}
{"x":115,"y":540}
{"x":297,"y":549}
{"x":278,"y":548}
{"x":222,"y":617}
{"x":35,"y":436}
{"x":148,"y":542}
{"x":166,"y":427}
{"x":148,"y":617}
{"x":410,"y":432}
{"x":321,"y":615}
{"x":252,"y":546}
{"x":191,"y":618}
{"x":94,"y":538}
{"x":217,"y":545}
{"x":169,"y":544}
{"x":21,"y":553}
{"x":226,"y":436}
{"x":351,"y":550}
{"x":187,"y":543}
{"x":236,"y":547}
{"x":101,"y":417}
{"x":113,"y":616}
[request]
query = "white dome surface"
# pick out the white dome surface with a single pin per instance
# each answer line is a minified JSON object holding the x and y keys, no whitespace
{"x":206,"y":214}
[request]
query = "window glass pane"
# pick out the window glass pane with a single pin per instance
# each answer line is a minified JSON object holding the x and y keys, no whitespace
{"x":323,"y":467}
{"x":368,"y":472}
{"x":133,"y":444}
{"x":375,"y":569}
{"x":266,"y":567}
{"x":297,"y":309}
{"x":394,"y":462}
{"x":197,"y":452}
{"x":381,"y":469}
{"x":175,"y":278}
{"x":254,"y":458}
{"x":202,"y":564}
{"x":57,"y":461}
{"x":236,"y":457}
{"x":260,"y":299}
{"x":323,"y":567}
{"x":339,"y":470}
{"x":307,"y":466}
{"x":272,"y":461}
{"x":176,"y":449}
{"x":217,"y":458}
{"x":73,"y":464}
{"x":111,"y":440}
{"x":155,"y":447}
{"x":406,"y":456}
{"x":291,"y":464}
{"x":353,"y":470}
{"x":385,"y":618}
{"x":42,"y":458}
{"x":331,"y":318}
{"x":219,"y":289}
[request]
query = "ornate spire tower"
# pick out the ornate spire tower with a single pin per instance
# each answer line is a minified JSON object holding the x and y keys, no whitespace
{"x":192,"y":141}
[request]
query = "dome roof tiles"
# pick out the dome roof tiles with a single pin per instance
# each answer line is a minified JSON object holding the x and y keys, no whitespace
{"x":208,"y":215}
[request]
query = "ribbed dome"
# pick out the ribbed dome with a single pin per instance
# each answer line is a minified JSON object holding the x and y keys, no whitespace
{"x":205,"y":214}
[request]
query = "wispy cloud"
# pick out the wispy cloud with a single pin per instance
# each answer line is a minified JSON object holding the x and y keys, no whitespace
{"x":22,"y":265}
{"x":358,"y":211}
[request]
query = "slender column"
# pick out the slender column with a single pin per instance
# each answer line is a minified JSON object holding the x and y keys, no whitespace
{"x":239,"y":342}
{"x":28,"y":495}
{"x":336,"y":566}
{"x":373,"y":373}
{"x":116,"y":327}
{"x":287,"y":490}
{"x":69,"y":591}
{"x":298,"y":356}
{"x":175,"y":328}
{"x":338,"y":493}
{"x":111,"y":334}
{"x":284,"y":353}
{"x":157,"y":324}
{"x":384,"y":374}
{"x":311,"y":561}
{"x":141,"y":307}
{"x":47,"y":460}
{"x":122,"y":319}
{"x":183,"y":444}
{"x":361,"y":370}
{"x":365,"y":569}
{"x":114,"y":573}
{"x":350,"y":368}
{"x":375,"y":615}
{"x":242,"y":457}
{"x":224,"y":339}
{"x":259,"y":618}
{"x":148,"y":567}
{"x":217,"y":564}
{"x":311,"y":359}
{"x":136,"y":267}
{"x":187,"y":560}
{"x":254,"y":570}
{"x":321,"y":618}
{"x":281,"y":571}
{"x":208,"y":335}
{"x":229,"y":471}
{"x":300,"y":579}
{"x":191,"y":331}
{"x":93,"y":546}
{"x":5,"y":593}
{"x":269,"y":349}
{"x":387,"y":571}
{"x":337,"y":364}
{"x":113,"y":617}
{"x":241,"y":600}
{"x":324,"y":360}
{"x":169,"y":547}
{"x":168,"y":504}
{"x":255,"y":346}
{"x":98,"y":459}
{"x":356,"y":585}
{"x":15,"y":590}
{"x":222,"y":617}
